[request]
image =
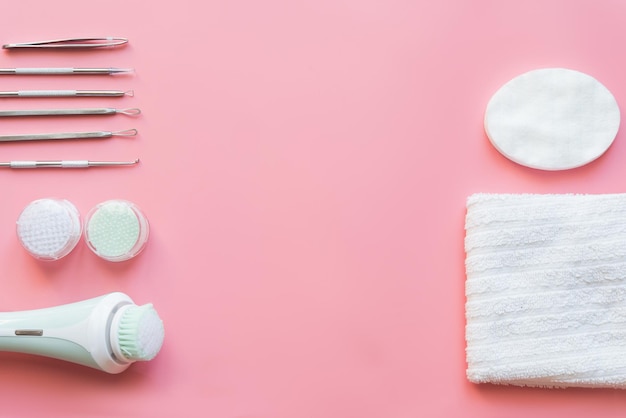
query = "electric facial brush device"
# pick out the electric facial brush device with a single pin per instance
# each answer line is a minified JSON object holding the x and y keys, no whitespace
{"x":108,"y":333}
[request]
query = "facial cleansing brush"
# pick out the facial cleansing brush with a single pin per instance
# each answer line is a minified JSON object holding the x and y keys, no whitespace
{"x":108,"y":333}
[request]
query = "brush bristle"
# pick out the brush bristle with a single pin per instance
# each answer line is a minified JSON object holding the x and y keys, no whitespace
{"x":140,"y":333}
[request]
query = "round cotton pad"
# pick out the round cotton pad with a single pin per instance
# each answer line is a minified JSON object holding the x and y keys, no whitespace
{"x":116,"y":230}
{"x":49,"y":228}
{"x":552,"y":119}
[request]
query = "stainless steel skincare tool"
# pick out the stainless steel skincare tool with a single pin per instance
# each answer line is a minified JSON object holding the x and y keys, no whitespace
{"x":66,"y":93}
{"x":70,"y":43}
{"x":67,"y":135}
{"x":64,"y":71}
{"x":71,"y":112}
{"x":65,"y":164}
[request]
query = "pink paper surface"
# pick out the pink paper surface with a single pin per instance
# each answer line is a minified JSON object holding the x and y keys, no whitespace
{"x":304,"y":168}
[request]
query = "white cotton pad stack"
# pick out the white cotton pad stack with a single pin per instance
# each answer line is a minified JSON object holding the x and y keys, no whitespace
{"x":49,"y":229}
{"x":552,"y":119}
{"x":546,"y":290}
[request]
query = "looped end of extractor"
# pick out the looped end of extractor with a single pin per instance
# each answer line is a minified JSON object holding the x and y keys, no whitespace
{"x":133,"y":111}
{"x":127,"y":132}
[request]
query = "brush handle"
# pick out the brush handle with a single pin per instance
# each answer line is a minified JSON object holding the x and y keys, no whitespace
{"x":78,"y":332}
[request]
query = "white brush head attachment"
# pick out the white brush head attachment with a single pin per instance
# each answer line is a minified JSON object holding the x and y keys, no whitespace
{"x":136,"y":333}
{"x":49,"y":229}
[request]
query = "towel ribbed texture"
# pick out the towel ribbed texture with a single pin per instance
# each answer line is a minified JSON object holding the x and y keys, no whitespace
{"x":546,"y":290}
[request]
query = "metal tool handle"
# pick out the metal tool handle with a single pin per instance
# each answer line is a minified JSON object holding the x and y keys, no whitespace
{"x":64,"y":71}
{"x":70,"y":112}
{"x":58,"y":112}
{"x":55,"y":136}
{"x":67,"y":135}
{"x":49,"y":164}
{"x":35,"y":71}
{"x":38,"y":93}
{"x":65,"y":164}
{"x":43,"y":93}
{"x":66,"y":93}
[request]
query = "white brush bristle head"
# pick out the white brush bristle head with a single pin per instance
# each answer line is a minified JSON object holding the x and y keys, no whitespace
{"x":140,"y":333}
{"x":49,"y":229}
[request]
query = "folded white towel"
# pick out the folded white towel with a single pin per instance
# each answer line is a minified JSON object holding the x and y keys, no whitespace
{"x":546,"y":290}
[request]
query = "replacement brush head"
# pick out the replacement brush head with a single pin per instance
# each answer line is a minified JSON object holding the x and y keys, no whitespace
{"x":116,"y":230}
{"x":49,"y":229}
{"x":137,"y":333}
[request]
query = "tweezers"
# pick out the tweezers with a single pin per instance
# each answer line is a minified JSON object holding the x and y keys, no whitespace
{"x":71,"y":43}
{"x":71,"y":112}
{"x":67,"y":135}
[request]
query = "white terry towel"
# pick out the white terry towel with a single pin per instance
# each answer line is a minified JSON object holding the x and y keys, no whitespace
{"x":546,"y":290}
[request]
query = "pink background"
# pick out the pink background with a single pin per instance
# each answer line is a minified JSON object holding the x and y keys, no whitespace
{"x":305,"y":166}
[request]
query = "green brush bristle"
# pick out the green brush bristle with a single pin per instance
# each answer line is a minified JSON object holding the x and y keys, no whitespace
{"x":140,"y":333}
